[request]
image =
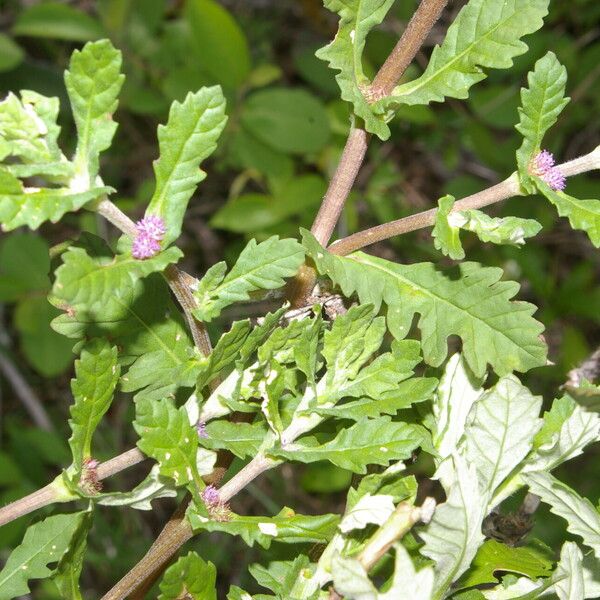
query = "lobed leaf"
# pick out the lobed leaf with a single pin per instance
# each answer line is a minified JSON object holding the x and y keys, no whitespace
{"x":583,"y":215}
{"x":140,"y":497}
{"x":504,"y":423}
{"x":189,"y":137}
{"x":485,"y":34}
{"x":374,"y":441}
{"x":241,"y":439}
{"x":167,"y":436}
{"x":454,"y":534}
{"x":505,"y":230}
{"x":569,"y":574}
{"x":494,"y":557}
{"x":568,"y":429}
{"x":286,"y":527}
{"x":541,"y":104}
{"x":96,"y":377}
{"x":581,"y":516}
{"x":93,"y":81}
{"x":67,"y":574}
{"x":31,"y":206}
{"x":445,"y":233}
{"x":470,"y":301}
{"x":44,"y":543}
{"x":344,"y":54}
{"x":262,"y":266}
{"x":191,"y":578}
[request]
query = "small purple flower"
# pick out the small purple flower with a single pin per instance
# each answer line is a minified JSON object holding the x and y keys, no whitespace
{"x":543,"y":161}
{"x":201,"y":429}
{"x":210,"y":495}
{"x":153,"y":226}
{"x":555,"y":179}
{"x":542,"y":166}
{"x":144,"y":246}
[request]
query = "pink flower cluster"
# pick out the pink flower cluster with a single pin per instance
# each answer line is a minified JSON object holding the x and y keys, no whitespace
{"x":89,"y":481}
{"x":217,"y":509}
{"x":149,"y":232}
{"x":542,"y":166}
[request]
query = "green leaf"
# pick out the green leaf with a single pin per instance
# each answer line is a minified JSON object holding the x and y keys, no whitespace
{"x":96,"y":377}
{"x":581,"y":516}
{"x":253,"y":213}
{"x":569,"y":574}
{"x":67,"y":574}
{"x":289,"y":120}
{"x":24,"y":266}
{"x":376,"y":441}
{"x":140,"y":497}
{"x":91,"y":276}
{"x":344,"y":54}
{"x":33,"y":206}
{"x":11,"y":54}
{"x":241,"y":439}
{"x":45,"y":542}
{"x":262,"y":266}
{"x":29,"y":131}
{"x":494,"y":556}
{"x":189,"y":137}
{"x":582,"y":214}
{"x":93,"y":81}
{"x":506,"y":230}
{"x":191,"y":578}
{"x":454,"y":534}
{"x":167,"y":436}
{"x":541,"y":104}
{"x":501,"y":433}
{"x":219,"y":45}
{"x":446,"y":235}
{"x":469,"y":301}
{"x":458,"y":391}
{"x":485,"y":34}
{"x":369,"y":509}
{"x":448,"y":223}
{"x":56,"y":20}
{"x":286,"y":527}
{"x":567,"y":430}
{"x":351,"y":579}
{"x":281,"y":575}
{"x":404,"y":395}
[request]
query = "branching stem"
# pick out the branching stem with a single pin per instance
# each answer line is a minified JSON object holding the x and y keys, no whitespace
{"x":497,"y":193}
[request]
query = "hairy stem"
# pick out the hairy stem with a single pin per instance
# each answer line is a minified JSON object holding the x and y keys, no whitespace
{"x":396,"y":527}
{"x":408,"y":45}
{"x":55,"y":493}
{"x":497,"y":193}
{"x":355,"y":149}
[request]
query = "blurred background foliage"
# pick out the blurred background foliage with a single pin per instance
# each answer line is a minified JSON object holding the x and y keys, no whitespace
{"x":268,"y":176}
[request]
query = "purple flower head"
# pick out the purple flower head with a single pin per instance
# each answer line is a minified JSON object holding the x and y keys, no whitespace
{"x":89,"y":483}
{"x":555,"y":179}
{"x":153,"y":226}
{"x":210,"y":495}
{"x":542,"y":166}
{"x":144,"y":246}
{"x":201,"y":429}
{"x":542,"y":162}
